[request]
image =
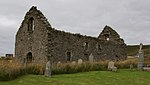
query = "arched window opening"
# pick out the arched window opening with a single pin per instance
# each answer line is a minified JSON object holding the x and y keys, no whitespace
{"x":31,"y":25}
{"x":29,"y":57}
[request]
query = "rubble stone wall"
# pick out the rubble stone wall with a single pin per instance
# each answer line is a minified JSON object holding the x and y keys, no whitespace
{"x":37,"y":41}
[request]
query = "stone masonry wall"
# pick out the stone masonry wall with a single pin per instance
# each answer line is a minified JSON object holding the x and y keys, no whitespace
{"x":32,"y":40}
{"x":37,"y":41}
{"x":60,"y":43}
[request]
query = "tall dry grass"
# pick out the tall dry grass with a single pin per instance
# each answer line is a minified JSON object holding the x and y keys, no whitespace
{"x":11,"y":70}
{"x":126,"y":64}
{"x":67,"y":68}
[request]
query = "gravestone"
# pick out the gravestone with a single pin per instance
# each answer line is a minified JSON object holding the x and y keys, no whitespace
{"x":131,"y":67}
{"x":25,"y":64}
{"x":111,"y":66}
{"x":48,"y":69}
{"x":91,"y":58}
{"x":141,"y":58}
{"x":114,"y":68}
{"x":73,"y":63}
{"x":58,"y":63}
{"x":80,"y":61}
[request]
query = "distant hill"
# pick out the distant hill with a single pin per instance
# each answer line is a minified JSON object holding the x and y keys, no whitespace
{"x":133,"y":49}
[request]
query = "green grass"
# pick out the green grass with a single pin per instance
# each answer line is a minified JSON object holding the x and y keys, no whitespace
{"x":122,"y":77}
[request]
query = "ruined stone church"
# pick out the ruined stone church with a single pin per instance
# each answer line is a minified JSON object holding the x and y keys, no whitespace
{"x":37,"y":41}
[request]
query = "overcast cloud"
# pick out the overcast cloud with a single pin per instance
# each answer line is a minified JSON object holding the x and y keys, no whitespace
{"x":130,"y":18}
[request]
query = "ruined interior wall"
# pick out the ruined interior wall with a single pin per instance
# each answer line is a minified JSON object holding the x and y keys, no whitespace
{"x":60,"y":43}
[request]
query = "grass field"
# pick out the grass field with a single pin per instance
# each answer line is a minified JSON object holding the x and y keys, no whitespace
{"x":122,"y":77}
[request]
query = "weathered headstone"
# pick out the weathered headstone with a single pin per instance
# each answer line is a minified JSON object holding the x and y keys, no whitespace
{"x":111,"y":66}
{"x":91,"y":58}
{"x":58,"y":63}
{"x":48,"y":69}
{"x":131,"y":67}
{"x":114,"y":68}
{"x":141,"y":58}
{"x":73,"y":63}
{"x":80,"y":61}
{"x":25,"y":63}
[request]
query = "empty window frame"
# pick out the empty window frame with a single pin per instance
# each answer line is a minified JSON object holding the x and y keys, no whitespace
{"x":69,"y":55}
{"x":86,"y":46}
{"x":99,"y":48}
{"x":31,"y":25}
{"x":107,"y":37}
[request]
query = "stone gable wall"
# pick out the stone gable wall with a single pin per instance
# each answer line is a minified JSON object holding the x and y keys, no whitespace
{"x":33,"y":40}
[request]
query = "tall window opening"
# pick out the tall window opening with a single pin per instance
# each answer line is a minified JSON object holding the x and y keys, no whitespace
{"x":29,"y":57}
{"x":86,"y":45}
{"x":31,"y":25}
{"x":68,"y":56}
{"x":99,"y":48}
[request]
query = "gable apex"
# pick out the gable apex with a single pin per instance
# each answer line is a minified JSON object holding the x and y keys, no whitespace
{"x":108,"y":33}
{"x":33,"y":8}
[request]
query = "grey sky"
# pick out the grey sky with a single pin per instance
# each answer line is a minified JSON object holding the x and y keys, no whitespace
{"x":130,"y":18}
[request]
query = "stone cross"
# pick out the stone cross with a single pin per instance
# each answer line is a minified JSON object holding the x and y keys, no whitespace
{"x":141,"y":58}
{"x":141,"y":45}
{"x":48,"y":69}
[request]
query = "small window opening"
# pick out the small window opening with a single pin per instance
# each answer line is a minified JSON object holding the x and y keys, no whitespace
{"x":86,"y":45}
{"x":29,"y":57}
{"x":117,"y":56}
{"x":31,"y":25}
{"x":68,"y":56}
{"x":107,"y":37}
{"x":86,"y":56}
{"x":99,"y":48}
